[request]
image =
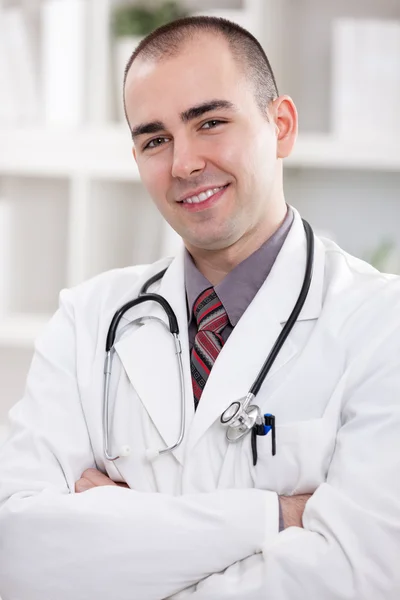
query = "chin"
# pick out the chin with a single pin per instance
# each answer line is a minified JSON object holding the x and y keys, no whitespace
{"x":212,"y":244}
{"x":218,"y":239}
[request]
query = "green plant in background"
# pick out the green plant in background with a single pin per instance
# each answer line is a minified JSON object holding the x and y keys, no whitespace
{"x":142,"y":19}
{"x":385,"y":257}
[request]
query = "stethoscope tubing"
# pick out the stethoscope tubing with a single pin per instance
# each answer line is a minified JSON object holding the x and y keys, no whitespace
{"x":145,"y":296}
{"x":255,"y":388}
{"x":112,"y":331}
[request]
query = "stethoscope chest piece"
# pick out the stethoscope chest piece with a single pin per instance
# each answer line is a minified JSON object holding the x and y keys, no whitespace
{"x":239,"y":418}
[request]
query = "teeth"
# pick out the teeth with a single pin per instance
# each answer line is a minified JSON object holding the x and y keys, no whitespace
{"x":203,"y":196}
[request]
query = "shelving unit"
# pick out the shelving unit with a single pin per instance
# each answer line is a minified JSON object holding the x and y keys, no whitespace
{"x":106,"y":154}
{"x":21,"y":330}
{"x":98,"y":153}
{"x":77,"y":207}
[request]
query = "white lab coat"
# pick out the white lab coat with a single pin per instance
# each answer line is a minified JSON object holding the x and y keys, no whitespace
{"x":196,"y":515}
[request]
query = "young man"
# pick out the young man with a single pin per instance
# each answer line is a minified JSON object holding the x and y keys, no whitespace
{"x":210,"y":132}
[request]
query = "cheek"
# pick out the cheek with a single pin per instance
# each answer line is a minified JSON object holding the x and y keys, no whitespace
{"x":154,"y":174}
{"x":266,"y":147}
{"x":244,"y":153}
{"x":261,"y":158}
{"x":229,"y":156}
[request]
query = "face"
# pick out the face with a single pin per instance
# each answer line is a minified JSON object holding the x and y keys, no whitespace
{"x":207,"y":155}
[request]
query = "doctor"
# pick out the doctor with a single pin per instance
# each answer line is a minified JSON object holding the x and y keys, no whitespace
{"x":210,"y":132}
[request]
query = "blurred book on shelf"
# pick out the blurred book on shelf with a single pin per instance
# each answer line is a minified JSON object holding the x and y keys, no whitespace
{"x":63,"y":61}
{"x":19,"y":75}
{"x":43,"y":63}
{"x":8,"y":106}
{"x":366,"y":79}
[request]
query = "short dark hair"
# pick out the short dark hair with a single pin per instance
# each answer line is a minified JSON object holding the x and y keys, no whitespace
{"x":166,"y":41}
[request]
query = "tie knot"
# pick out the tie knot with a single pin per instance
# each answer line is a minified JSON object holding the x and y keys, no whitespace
{"x":209,"y":312}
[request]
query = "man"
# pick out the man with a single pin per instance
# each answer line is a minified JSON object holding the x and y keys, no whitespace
{"x":210,"y":132}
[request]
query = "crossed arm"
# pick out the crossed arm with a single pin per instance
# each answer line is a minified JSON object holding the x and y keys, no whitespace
{"x":292,"y":506}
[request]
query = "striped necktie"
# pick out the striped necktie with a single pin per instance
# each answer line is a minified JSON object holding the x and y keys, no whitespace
{"x":211,"y":318}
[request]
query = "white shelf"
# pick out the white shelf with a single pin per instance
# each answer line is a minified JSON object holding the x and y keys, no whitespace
{"x":103,"y":154}
{"x":323,"y":151}
{"x":106,"y":154}
{"x":21,"y":330}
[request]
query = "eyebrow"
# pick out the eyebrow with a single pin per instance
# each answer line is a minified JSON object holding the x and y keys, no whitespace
{"x":186,"y":116}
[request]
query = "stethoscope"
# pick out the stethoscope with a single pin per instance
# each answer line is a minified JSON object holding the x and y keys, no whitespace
{"x":242,"y":416}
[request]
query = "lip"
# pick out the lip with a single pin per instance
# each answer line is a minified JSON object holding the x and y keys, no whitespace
{"x":199,"y":191}
{"x":206,"y":204}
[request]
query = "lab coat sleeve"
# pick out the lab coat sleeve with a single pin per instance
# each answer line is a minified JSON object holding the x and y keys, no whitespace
{"x":350,"y":544}
{"x":108,"y":542}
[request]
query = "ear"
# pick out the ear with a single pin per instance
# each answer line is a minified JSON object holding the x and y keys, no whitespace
{"x":284,"y":113}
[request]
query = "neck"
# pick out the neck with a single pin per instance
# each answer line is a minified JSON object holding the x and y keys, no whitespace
{"x":216,"y":264}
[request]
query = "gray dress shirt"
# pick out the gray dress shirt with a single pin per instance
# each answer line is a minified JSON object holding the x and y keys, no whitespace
{"x":238,"y":288}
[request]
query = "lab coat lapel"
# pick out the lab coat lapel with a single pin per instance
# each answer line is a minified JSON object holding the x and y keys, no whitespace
{"x":249,"y":344}
{"x":148,"y":357}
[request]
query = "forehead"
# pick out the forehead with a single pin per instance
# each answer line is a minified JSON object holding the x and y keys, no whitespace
{"x":204,"y":68}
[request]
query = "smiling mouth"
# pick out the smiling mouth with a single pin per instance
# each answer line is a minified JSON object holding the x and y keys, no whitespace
{"x":203,"y":196}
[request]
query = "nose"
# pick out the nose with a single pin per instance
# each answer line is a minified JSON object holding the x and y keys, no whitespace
{"x":187,"y":161}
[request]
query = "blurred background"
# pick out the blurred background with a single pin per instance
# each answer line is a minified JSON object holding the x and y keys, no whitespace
{"x":71,"y":204}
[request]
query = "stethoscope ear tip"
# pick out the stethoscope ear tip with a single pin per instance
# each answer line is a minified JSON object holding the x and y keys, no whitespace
{"x":152,"y":454}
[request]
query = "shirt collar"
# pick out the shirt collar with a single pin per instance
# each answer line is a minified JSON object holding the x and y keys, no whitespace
{"x":239,"y":287}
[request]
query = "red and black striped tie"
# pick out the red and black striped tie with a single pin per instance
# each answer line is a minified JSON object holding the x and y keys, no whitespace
{"x":211,"y":318}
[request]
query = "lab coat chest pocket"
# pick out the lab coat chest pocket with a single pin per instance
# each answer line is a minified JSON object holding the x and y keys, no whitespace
{"x":303,"y":453}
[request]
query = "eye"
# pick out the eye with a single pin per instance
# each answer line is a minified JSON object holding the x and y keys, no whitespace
{"x":155,"y":143}
{"x":211,"y":124}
